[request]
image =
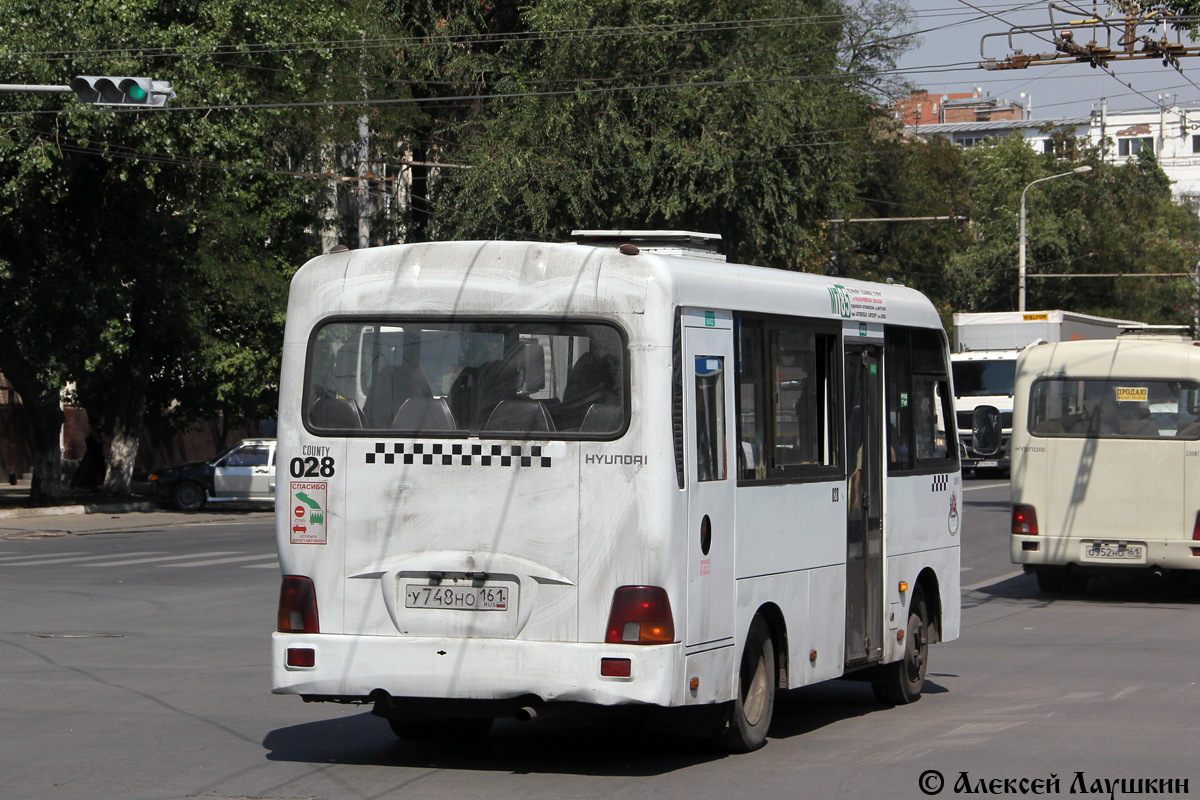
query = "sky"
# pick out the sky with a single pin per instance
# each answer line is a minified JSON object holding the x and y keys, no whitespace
{"x":947,"y":60}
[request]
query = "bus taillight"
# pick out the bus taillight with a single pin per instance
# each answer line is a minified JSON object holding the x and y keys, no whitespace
{"x":1196,"y":535}
{"x":298,"y":605}
{"x":640,"y":615}
{"x":1024,"y":521}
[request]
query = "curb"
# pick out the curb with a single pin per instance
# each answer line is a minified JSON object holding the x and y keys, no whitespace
{"x":58,"y":511}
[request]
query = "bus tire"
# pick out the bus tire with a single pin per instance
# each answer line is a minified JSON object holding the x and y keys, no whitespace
{"x":900,"y":682}
{"x":749,"y":715}
{"x":188,"y":496}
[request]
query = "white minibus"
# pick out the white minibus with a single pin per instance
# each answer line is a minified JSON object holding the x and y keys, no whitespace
{"x":1106,"y":459}
{"x":518,"y":477}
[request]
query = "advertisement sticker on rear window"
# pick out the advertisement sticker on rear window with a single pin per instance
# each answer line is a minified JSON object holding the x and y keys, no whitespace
{"x":1132,"y":394}
{"x":308,"y":511}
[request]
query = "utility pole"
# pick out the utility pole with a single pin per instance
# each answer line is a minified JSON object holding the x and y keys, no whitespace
{"x":364,"y":184}
{"x":364,"y":154}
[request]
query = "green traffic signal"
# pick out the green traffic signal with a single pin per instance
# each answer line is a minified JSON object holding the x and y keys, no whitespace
{"x":108,"y":90}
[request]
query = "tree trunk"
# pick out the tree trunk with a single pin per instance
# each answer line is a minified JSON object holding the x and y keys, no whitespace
{"x":45,"y":419}
{"x":127,"y":432}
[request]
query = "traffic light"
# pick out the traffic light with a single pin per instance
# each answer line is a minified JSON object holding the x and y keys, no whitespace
{"x":121,"y":91}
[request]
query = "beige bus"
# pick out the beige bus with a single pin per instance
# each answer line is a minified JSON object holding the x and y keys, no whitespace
{"x":1106,"y":460}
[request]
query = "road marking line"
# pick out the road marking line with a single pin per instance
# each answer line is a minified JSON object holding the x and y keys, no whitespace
{"x":225,"y":561}
{"x":75,"y":559}
{"x":985,"y":486}
{"x":161,"y":558}
{"x":272,"y":565}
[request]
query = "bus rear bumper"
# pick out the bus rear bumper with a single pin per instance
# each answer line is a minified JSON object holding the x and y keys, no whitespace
{"x":355,"y":667}
{"x":1054,"y":551}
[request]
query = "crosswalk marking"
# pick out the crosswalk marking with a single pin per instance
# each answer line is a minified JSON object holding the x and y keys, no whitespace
{"x":127,"y":563}
{"x":40,"y":555}
{"x":232,"y":560}
{"x":72,"y":559}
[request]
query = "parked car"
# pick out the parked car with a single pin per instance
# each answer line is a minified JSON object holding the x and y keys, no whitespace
{"x":245,"y":472}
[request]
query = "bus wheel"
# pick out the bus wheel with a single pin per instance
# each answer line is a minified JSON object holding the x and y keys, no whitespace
{"x":750,"y":712}
{"x":900,"y":682}
{"x":188,"y":496}
{"x":445,"y":729}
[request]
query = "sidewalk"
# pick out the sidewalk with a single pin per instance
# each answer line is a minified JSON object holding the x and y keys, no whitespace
{"x":83,"y":512}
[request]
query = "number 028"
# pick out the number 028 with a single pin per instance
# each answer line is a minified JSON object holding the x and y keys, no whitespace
{"x":312,"y":467}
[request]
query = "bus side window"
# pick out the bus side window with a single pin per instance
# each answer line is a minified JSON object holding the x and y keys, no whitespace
{"x":751,"y":391}
{"x":710,"y":418}
{"x":919,"y":401}
{"x":787,"y":400}
{"x":898,"y":392}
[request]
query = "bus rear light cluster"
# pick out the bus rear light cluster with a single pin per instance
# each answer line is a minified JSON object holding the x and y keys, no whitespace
{"x":298,"y":605}
{"x":1196,"y":535}
{"x":640,"y":615}
{"x":1024,"y":521}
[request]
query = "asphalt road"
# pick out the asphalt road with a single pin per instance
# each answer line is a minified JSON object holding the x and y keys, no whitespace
{"x":134,"y":665}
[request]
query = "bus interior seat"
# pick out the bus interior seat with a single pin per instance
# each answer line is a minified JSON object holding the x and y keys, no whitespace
{"x":393,"y":385}
{"x":335,"y":412}
{"x":343,"y":374}
{"x":424,"y":414}
{"x":1135,"y":420}
{"x":522,"y":414}
{"x":493,"y":382}
{"x":592,"y":380}
{"x":1188,"y":430}
{"x":601,"y":418}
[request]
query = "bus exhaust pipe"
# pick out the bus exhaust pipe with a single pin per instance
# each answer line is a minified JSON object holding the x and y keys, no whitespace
{"x":526,"y":714}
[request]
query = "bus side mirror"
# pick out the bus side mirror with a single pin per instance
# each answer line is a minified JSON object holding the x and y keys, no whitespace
{"x":985,"y":430}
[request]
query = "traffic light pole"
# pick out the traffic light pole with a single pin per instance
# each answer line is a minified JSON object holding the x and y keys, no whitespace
{"x":12,"y":88}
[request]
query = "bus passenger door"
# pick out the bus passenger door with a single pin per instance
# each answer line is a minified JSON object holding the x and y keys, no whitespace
{"x":864,"y":506}
{"x":711,"y":478}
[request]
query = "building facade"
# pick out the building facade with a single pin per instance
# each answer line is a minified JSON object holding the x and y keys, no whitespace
{"x":1172,"y":133}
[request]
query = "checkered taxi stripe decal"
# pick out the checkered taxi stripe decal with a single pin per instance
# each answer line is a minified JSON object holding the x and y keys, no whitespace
{"x":941,"y":483}
{"x":463,"y":455}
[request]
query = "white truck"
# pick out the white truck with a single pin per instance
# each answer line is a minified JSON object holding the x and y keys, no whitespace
{"x":984,"y":361}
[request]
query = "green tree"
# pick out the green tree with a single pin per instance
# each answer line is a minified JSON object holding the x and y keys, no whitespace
{"x":665,"y":114}
{"x":909,"y":179}
{"x":145,"y":254}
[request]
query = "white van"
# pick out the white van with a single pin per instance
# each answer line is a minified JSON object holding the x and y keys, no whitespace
{"x":1106,"y":459}
{"x":520,"y":476}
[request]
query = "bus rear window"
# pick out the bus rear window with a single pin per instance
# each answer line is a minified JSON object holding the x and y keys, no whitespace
{"x":1114,"y":408}
{"x":491,"y":378}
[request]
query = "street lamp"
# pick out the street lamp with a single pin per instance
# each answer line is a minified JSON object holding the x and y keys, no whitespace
{"x":1021,"y":241}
